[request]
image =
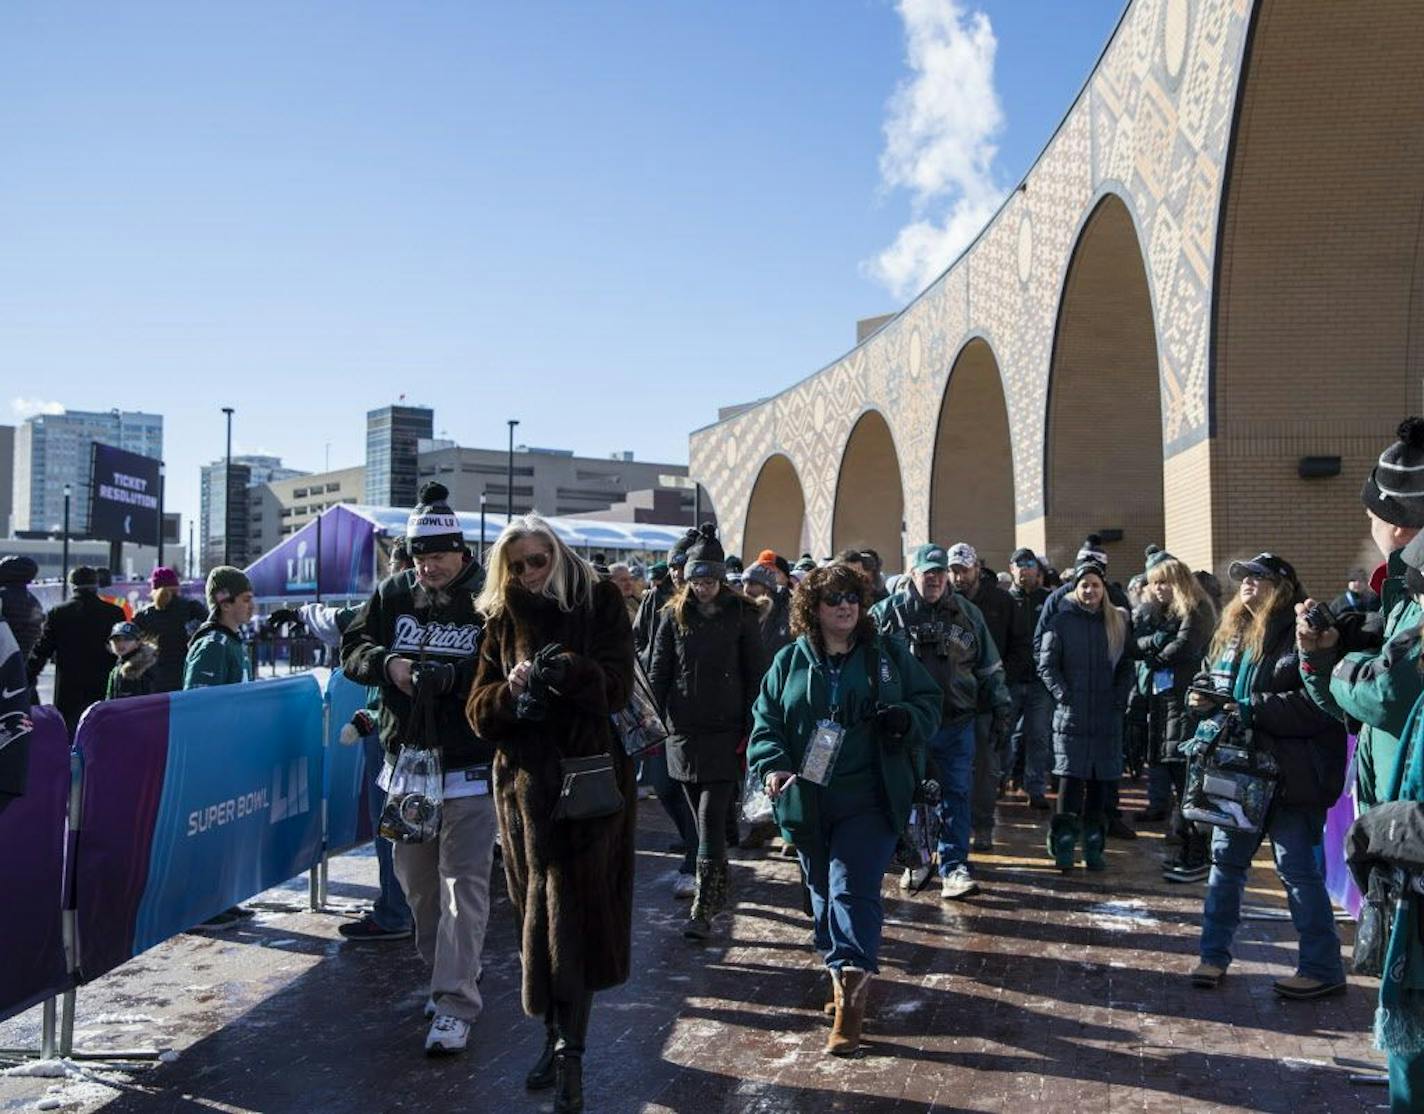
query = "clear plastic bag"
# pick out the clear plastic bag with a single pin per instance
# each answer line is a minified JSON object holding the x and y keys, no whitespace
{"x":415,"y":797}
{"x":1230,"y":783}
{"x":756,"y":805}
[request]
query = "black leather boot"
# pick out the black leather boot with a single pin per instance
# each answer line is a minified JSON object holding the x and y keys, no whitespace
{"x":541,"y":1075}
{"x":568,"y":1070}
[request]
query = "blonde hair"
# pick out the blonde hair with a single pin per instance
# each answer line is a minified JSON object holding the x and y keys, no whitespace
{"x":1187,"y":592}
{"x":569,"y":583}
{"x":1239,"y":621}
{"x":683,"y":598}
{"x":1113,"y":618}
{"x":162,"y":597}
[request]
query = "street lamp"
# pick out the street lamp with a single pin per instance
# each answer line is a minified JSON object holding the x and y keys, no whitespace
{"x":482,"y":527}
{"x":509,"y":491}
{"x":227,"y":492}
{"x":64,"y":591}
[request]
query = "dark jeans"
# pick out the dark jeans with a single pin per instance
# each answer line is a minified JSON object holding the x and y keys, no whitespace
{"x":951,"y":754}
{"x":391,"y":911}
{"x":844,"y":870}
{"x":1159,"y":785}
{"x":1032,"y":719}
{"x":986,"y":776}
{"x":708,"y":801}
{"x":674,"y":802}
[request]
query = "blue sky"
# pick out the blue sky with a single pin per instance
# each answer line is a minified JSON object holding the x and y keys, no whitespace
{"x":604,"y":219}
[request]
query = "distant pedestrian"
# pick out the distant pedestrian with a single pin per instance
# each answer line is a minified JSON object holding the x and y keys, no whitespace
{"x":132,"y":674}
{"x":19,"y":607}
{"x":15,"y":725}
{"x":1357,"y":596}
{"x":76,"y":635}
{"x":1030,"y":743}
{"x":171,"y":619}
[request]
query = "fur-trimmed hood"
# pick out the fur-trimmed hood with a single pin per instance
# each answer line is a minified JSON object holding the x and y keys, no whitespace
{"x":138,"y":662}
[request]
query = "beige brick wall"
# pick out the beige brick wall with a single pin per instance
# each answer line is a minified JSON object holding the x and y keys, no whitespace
{"x":870,"y":503}
{"x":776,"y":513}
{"x":1317,"y":334}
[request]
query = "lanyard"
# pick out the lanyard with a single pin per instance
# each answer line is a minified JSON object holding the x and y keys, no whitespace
{"x":833,"y":675}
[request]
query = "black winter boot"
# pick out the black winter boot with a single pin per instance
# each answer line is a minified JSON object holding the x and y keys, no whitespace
{"x":541,"y":1075}
{"x":704,"y":907}
{"x":568,"y":1096}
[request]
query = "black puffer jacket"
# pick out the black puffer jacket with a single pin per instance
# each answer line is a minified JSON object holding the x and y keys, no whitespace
{"x":76,"y":636}
{"x":775,"y":611}
{"x":1009,"y":628}
{"x":649,"y":618}
{"x":1308,"y":743}
{"x":24,"y":613}
{"x":705,"y":677}
{"x":172,"y":627}
{"x":1171,"y":645}
{"x":398,"y":620}
{"x":1090,"y":691}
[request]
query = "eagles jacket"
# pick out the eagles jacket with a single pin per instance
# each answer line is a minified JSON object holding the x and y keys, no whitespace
{"x":406,"y":620}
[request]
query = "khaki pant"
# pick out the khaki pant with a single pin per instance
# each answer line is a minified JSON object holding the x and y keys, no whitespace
{"x":446,"y":882}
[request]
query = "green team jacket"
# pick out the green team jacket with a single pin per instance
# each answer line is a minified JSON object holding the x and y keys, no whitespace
{"x":1377,"y":688}
{"x":795,"y":696}
{"x":216,"y":656}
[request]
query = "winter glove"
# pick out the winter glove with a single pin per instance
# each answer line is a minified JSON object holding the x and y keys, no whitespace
{"x":361,"y":725}
{"x":437,"y":677}
{"x":551,"y":666}
{"x":893,"y":720}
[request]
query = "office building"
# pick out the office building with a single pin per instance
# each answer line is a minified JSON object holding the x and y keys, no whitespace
{"x":52,"y":450}
{"x":393,"y":435}
{"x":7,"y":479}
{"x":551,"y":481}
{"x":279,"y":508}
{"x":225,"y":509}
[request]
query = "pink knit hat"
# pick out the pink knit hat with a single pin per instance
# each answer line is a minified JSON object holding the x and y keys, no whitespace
{"x":163,"y":577}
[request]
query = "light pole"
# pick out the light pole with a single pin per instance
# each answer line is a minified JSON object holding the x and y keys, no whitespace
{"x":509,"y":491}
{"x":160,"y":512}
{"x":227,"y":492}
{"x":64,"y":580}
{"x":482,"y":527}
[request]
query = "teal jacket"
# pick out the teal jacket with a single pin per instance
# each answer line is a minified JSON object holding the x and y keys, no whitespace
{"x":216,"y":656}
{"x":1377,"y":688}
{"x":795,"y":696}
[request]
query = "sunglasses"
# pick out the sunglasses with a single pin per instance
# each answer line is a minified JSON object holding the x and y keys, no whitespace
{"x":534,"y":562}
{"x":835,"y":599}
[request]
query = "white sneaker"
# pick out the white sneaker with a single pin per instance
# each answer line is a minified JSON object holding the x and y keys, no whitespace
{"x":684,"y":886}
{"x":958,"y":883}
{"x":447,"y":1035}
{"x":914,"y":877}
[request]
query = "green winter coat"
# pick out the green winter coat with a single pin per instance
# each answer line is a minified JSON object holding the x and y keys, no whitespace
{"x":216,"y":656}
{"x":1377,"y":688}
{"x":795,"y":696}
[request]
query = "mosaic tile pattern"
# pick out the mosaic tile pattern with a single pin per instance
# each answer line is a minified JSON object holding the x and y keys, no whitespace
{"x":1152,"y":126}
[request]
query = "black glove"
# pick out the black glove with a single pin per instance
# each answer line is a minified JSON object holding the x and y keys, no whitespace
{"x":550,"y":666}
{"x":893,"y":720}
{"x":285,"y":616}
{"x":437,"y":677}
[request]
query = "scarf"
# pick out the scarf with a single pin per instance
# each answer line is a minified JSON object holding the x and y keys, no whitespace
{"x":1399,"y":1017}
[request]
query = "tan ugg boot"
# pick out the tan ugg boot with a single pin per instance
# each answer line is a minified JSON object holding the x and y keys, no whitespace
{"x":833,"y":1000}
{"x":853,"y":986}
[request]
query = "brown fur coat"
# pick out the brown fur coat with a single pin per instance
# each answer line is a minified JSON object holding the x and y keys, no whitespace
{"x":571,"y":882}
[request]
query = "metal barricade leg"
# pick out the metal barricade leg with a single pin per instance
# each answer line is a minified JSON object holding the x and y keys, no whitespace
{"x":47,"y":1031}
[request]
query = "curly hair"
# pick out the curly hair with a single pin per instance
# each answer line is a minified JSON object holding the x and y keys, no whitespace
{"x":805,"y":618}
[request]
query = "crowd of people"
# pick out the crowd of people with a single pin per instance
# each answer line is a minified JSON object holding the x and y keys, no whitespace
{"x":884,"y":718}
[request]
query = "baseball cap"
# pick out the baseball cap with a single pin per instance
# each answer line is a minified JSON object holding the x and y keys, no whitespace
{"x":962,"y":553}
{"x":929,"y":556}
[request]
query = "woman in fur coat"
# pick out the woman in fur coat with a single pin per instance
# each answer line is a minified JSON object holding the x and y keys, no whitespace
{"x":555,"y":662}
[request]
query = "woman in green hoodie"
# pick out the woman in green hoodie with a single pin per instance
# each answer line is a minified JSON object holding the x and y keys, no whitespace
{"x":838,"y":738}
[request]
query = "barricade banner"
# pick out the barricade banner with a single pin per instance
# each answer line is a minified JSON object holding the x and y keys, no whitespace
{"x":1338,"y":881}
{"x":348,"y":819}
{"x":193,"y":801}
{"x":32,"y":833}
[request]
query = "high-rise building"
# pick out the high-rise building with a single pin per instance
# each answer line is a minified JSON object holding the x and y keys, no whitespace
{"x":225,"y":508}
{"x":7,"y":479}
{"x":393,"y":435}
{"x":52,"y":450}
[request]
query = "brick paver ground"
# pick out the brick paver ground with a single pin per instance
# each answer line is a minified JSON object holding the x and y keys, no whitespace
{"x":1044,"y":992}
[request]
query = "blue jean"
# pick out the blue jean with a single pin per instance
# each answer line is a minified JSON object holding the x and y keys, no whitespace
{"x":1296,"y":835}
{"x":1032,"y":717}
{"x":951,"y":750}
{"x":844,"y":872}
{"x":390,"y":911}
{"x":1159,"y":786}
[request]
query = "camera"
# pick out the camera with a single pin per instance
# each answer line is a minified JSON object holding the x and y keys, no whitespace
{"x":931,"y":636}
{"x":1319,"y":617}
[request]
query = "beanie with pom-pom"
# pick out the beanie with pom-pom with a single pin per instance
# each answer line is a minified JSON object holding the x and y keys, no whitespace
{"x":705,"y":557}
{"x":432,"y":526}
{"x":1394,"y":490}
{"x":677,"y":555}
{"x":1091,"y":550}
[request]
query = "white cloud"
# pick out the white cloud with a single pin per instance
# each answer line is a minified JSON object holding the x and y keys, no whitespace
{"x":23,"y":408}
{"x":940,"y":131}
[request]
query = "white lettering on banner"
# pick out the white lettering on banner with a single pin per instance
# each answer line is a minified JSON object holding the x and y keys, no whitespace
{"x":438,"y":638}
{"x":289,"y":796}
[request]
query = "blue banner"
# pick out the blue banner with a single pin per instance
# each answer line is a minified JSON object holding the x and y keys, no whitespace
{"x":240,"y":806}
{"x":347,"y":821}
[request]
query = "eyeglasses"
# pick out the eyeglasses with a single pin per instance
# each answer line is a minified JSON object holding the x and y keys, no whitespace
{"x":835,"y":599}
{"x":534,"y":562}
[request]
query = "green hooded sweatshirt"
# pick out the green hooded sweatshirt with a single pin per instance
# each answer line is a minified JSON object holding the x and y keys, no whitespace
{"x":216,"y":656}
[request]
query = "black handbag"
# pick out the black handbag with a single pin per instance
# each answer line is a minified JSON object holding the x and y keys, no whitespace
{"x":590,"y":789}
{"x":1377,"y":920}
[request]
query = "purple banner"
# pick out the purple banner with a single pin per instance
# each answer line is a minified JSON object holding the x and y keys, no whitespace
{"x":123,"y":745}
{"x":345,"y":567}
{"x":32,"y":832}
{"x":1338,"y":881}
{"x":131,"y":595}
